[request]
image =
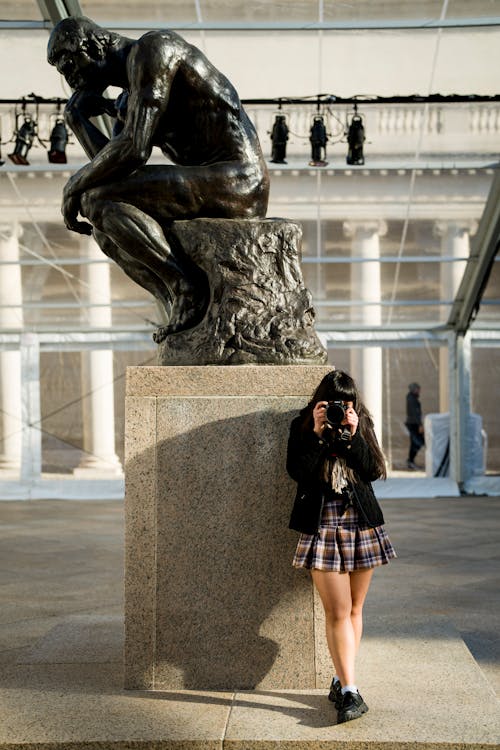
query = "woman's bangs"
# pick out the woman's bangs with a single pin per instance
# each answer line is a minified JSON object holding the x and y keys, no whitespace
{"x":344,"y":395}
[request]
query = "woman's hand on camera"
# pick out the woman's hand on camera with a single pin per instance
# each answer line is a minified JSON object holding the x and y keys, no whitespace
{"x":351,"y":418}
{"x":319,"y":416}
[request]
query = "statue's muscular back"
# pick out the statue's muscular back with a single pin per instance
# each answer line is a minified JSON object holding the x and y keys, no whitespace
{"x":201,"y":119}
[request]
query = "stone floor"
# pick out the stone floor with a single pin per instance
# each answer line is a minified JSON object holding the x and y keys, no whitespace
{"x":429,"y":666}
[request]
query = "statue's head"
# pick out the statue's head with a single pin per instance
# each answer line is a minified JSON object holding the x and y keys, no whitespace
{"x":78,"y":48}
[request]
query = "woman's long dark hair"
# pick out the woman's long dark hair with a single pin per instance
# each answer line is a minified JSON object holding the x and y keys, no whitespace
{"x":339,"y":386}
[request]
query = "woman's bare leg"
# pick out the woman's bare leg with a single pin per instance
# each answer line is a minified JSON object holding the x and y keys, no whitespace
{"x":360,"y":583}
{"x":335,"y":593}
{"x":343,"y":596}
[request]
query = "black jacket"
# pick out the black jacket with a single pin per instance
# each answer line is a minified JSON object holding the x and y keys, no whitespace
{"x":413,"y":409}
{"x":305,"y":460}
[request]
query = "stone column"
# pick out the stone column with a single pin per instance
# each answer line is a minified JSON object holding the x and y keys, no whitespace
{"x":455,"y":243}
{"x":97,"y":376}
{"x":366,"y":362}
{"x":11,"y":318}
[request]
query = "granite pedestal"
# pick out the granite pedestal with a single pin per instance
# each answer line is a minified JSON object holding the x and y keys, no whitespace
{"x":212,"y":601}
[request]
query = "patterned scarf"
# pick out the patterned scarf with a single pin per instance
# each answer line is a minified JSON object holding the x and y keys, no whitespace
{"x":338,"y":474}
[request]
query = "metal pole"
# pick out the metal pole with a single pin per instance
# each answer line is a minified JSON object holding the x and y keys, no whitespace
{"x":31,"y":457}
{"x":460,"y":361}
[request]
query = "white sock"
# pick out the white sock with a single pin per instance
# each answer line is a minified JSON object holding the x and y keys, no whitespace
{"x":349,"y":689}
{"x":335,"y":680}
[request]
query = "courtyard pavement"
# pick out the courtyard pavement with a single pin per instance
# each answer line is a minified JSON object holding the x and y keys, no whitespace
{"x":430,"y":663}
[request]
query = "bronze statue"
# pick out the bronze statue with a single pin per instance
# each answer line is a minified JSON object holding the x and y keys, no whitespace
{"x":174,"y":98}
{"x":193,"y":231}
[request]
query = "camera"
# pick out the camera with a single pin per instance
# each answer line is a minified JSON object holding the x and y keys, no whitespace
{"x":335,"y":414}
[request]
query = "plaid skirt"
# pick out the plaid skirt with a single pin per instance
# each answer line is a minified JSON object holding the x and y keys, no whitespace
{"x":341,"y":544}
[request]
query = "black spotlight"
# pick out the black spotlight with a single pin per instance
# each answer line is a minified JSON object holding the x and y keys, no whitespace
{"x":58,"y":142}
{"x":355,"y":139}
{"x":24,"y":141}
{"x":318,"y":138}
{"x":279,"y":137}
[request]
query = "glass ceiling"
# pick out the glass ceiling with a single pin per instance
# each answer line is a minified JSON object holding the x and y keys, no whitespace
{"x":424,"y":163}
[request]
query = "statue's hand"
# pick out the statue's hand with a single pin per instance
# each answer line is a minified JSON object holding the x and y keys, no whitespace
{"x":70,"y":210}
{"x":86,"y":103}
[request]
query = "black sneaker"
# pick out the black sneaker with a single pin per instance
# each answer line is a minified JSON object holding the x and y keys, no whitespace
{"x":353,"y":706}
{"x":335,"y":694}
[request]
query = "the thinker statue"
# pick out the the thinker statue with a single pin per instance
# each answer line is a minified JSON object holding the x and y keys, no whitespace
{"x":173,"y":98}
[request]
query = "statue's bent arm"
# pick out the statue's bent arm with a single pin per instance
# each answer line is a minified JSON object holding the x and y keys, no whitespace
{"x":83,"y":105}
{"x":131,"y":148}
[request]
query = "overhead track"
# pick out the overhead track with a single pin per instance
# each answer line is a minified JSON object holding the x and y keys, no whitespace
{"x":55,"y":10}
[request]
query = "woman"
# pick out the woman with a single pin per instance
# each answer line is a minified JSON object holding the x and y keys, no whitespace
{"x":333,"y":455}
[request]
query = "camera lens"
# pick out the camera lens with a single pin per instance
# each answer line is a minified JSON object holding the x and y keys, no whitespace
{"x":335,"y":412}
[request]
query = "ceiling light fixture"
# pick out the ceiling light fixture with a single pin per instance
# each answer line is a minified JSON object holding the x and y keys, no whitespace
{"x":58,"y":143}
{"x":318,"y":138}
{"x":279,"y":137}
{"x":24,"y":141}
{"x":23,"y":136}
{"x":355,"y":139}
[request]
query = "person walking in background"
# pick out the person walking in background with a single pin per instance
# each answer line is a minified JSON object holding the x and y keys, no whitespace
{"x":414,"y":424}
{"x":333,"y":455}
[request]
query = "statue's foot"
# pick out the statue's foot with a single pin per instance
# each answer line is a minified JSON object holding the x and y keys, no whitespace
{"x":187,"y":311}
{"x":161,"y":334}
{"x":187,"y":321}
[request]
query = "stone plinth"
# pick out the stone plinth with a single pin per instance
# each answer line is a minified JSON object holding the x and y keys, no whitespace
{"x":212,"y":601}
